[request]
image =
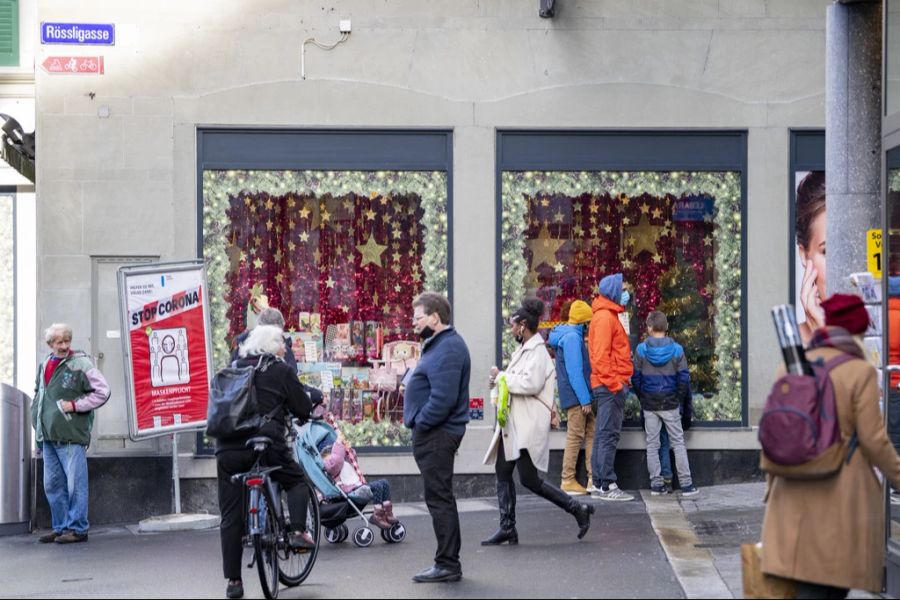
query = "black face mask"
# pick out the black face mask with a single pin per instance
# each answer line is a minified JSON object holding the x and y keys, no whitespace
{"x":520,"y":339}
{"x":426,"y":333}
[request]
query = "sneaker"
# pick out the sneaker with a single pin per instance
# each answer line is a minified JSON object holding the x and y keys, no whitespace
{"x":613,"y":494}
{"x":591,"y":488}
{"x":668,"y":482}
{"x":659,"y":490}
{"x":48,"y":538}
{"x":689,"y":490}
{"x":234,"y":589}
{"x":573,"y":488}
{"x":71,"y":537}
{"x":301,"y":540}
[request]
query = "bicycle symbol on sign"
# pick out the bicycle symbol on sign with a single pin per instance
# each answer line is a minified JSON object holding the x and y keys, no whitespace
{"x":88,"y":66}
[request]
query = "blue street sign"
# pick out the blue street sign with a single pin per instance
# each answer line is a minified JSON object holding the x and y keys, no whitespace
{"x":694,"y":208}
{"x":97,"y":34}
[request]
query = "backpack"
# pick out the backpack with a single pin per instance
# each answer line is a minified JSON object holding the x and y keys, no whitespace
{"x":232,"y":411}
{"x":799,"y":430}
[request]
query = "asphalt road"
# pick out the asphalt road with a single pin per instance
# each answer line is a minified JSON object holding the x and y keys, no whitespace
{"x":619,"y":558}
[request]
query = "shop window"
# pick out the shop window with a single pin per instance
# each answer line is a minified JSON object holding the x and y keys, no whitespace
{"x":342,"y":254}
{"x":7,"y":289}
{"x":675,"y":236}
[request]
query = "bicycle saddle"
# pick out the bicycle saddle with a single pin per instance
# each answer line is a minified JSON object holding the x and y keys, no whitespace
{"x":266,"y":442}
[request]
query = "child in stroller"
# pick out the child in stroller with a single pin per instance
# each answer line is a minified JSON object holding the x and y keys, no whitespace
{"x":342,"y":496}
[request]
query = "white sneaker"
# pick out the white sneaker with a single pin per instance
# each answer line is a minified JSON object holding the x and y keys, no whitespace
{"x":591,"y":488}
{"x":613,"y":494}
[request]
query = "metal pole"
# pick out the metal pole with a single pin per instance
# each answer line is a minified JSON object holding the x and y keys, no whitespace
{"x":175,"y":478}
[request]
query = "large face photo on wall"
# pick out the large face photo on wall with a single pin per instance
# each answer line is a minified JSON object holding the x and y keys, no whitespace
{"x":809,"y":252}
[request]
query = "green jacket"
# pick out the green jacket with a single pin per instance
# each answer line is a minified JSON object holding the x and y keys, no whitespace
{"x":75,"y":379}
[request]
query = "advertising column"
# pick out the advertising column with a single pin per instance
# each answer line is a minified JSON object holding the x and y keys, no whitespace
{"x":167,"y":347}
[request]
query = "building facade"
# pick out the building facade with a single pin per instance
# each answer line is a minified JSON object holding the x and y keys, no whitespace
{"x":469,"y":147}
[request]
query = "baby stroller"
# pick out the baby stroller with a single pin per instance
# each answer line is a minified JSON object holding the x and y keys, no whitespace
{"x":336,"y":506}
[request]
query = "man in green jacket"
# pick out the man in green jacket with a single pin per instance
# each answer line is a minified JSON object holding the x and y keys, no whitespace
{"x":67,"y":391}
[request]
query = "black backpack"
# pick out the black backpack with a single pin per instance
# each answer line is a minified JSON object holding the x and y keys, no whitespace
{"x":232,"y":411}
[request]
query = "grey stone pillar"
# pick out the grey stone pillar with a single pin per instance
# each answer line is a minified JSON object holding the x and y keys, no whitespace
{"x":852,"y":137}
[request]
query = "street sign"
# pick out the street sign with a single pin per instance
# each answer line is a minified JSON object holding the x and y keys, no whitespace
{"x":874,"y":252}
{"x":77,"y":65}
{"x":96,"y":34}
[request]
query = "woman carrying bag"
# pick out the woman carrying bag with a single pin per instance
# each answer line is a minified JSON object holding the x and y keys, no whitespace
{"x":523,"y":441}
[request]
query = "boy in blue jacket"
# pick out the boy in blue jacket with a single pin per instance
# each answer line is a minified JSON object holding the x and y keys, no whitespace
{"x":573,"y":372}
{"x":661,"y":381}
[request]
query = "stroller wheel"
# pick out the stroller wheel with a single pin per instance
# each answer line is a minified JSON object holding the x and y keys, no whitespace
{"x":345,"y":533}
{"x":363,"y":537}
{"x":397,"y":533}
{"x":333,"y":536}
{"x":384,"y":535}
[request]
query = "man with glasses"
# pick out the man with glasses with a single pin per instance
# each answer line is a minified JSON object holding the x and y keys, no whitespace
{"x":436,"y":408}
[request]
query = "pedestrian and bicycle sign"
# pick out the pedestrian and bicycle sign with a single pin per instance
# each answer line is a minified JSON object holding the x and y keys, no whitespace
{"x":79,"y":34}
{"x":74,"y":65}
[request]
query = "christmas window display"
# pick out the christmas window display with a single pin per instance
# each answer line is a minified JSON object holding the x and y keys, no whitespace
{"x":342,"y":254}
{"x":7,"y":289}
{"x":675,"y":236}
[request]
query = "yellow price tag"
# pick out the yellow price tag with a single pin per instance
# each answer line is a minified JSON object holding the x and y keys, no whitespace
{"x":874,"y":252}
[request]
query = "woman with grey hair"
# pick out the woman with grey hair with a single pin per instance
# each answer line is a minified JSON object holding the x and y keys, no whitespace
{"x":276,"y":387}
{"x":268,"y":316}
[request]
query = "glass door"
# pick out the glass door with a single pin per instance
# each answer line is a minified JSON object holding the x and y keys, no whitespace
{"x":892,"y":375}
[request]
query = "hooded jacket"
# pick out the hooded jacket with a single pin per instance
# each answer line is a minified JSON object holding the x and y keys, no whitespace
{"x":573,"y":365}
{"x":661,"y":378}
{"x":608,"y":345}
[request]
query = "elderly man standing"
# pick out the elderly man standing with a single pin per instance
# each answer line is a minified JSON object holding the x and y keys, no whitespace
{"x":436,"y":408}
{"x":67,"y":391}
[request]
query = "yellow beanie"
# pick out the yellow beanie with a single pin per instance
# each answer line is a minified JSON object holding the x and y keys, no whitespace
{"x":580,"y":312}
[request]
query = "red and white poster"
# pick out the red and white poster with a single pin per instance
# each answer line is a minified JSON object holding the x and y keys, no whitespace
{"x":166,"y":341}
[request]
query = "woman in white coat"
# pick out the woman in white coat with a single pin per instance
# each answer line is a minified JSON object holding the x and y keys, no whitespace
{"x":525,"y":440}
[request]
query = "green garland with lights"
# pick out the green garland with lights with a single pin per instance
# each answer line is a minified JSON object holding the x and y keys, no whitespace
{"x":724,"y":187}
{"x":219,"y":186}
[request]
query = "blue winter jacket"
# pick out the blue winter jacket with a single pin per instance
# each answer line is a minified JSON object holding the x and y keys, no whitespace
{"x":573,"y":365}
{"x":661,"y":378}
{"x":437,"y":395}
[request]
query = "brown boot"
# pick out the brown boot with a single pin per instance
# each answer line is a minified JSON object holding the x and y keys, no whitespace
{"x":389,"y":513}
{"x":378,"y":518}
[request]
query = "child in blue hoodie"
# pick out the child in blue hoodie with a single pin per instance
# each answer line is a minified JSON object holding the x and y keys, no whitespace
{"x":573,"y":372}
{"x":661,"y":381}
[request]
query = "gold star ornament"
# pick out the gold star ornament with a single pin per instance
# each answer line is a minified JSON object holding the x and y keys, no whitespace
{"x":371,"y":252}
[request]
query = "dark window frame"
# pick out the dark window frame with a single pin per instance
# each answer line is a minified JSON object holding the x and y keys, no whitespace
{"x":626,"y":150}
{"x":807,"y":153}
{"x":404,"y":149}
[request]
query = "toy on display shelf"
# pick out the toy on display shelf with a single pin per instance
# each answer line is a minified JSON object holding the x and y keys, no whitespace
{"x":374,"y":339}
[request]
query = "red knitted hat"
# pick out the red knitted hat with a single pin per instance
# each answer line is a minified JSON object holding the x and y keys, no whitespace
{"x":847,"y":311}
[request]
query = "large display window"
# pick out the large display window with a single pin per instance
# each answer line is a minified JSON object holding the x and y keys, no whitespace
{"x":676,"y":238}
{"x":342,"y":254}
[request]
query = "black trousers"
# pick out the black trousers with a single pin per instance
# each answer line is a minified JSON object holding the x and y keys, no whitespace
{"x":435,"y":452}
{"x":814,"y":590}
{"x":531,"y":479}
{"x":231,"y":498}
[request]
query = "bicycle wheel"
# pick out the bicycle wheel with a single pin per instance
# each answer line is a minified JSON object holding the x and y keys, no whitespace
{"x":265,"y":548}
{"x":294,"y":566}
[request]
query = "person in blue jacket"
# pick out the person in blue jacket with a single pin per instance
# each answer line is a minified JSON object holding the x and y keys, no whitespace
{"x":573,"y":370}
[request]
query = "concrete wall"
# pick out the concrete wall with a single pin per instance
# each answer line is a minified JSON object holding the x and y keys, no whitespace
{"x":126,"y":184}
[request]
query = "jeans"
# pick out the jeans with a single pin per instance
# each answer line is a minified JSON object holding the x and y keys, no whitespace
{"x":435,"y":453}
{"x":381,"y":491}
{"x":580,"y":432}
{"x":610,"y":412}
{"x":665,"y":459}
{"x":66,"y":486}
{"x":654,"y":420}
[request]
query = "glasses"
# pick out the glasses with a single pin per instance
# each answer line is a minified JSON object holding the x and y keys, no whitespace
{"x":417,"y":318}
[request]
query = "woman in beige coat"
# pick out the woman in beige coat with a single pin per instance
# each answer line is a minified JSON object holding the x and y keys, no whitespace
{"x":525,"y":440}
{"x":828,"y":534}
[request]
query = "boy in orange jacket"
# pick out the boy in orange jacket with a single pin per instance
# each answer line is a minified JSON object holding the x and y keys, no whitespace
{"x":611,"y":370}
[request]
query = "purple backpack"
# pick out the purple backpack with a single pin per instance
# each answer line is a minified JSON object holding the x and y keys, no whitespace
{"x":799,"y":430}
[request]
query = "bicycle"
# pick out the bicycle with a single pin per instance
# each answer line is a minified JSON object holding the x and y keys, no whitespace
{"x":268,"y":527}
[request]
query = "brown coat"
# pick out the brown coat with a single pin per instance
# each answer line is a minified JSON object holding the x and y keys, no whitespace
{"x":831,"y":531}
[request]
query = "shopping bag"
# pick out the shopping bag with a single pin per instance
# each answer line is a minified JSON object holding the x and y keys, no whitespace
{"x":758,"y":584}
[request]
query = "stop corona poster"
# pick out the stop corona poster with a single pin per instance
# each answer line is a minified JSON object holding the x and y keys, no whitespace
{"x":166,"y":341}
